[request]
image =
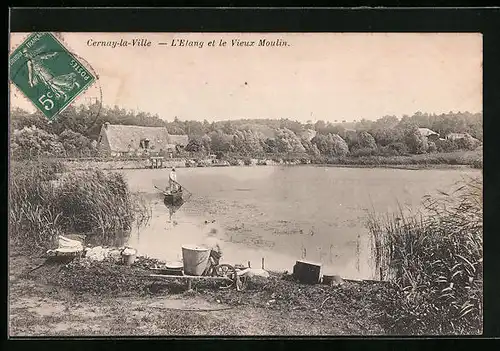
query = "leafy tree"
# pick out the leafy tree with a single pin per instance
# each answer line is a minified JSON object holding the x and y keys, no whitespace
{"x":307,"y":144}
{"x":195,"y":144}
{"x":32,"y":141}
{"x":287,"y":141}
{"x":294,"y":126}
{"x":363,"y":125}
{"x":21,"y":118}
{"x":416,"y":142}
{"x":76,"y":144}
{"x":319,"y":126}
{"x":366,"y":141}
{"x":385,"y":130}
{"x":270,"y":145}
{"x":228,"y":128}
{"x":314,"y":151}
{"x":330,"y":145}
{"x":246,"y":142}
{"x":220,"y":141}
{"x":322,"y":144}
{"x":194,"y":128}
{"x":338,"y":145}
{"x":206,"y":142}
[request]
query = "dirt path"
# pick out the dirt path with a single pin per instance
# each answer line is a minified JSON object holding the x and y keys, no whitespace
{"x":40,"y":308}
{"x":57,"y":315}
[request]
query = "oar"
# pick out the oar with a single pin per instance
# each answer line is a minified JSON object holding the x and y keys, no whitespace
{"x":163,"y":191}
{"x":183,"y":188}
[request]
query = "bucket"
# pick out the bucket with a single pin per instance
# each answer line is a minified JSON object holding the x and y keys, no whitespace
{"x":129,"y":256}
{"x":128,"y":260}
{"x":195,"y":259}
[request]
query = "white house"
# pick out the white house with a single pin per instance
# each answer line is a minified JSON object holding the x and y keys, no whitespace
{"x":430,"y":134}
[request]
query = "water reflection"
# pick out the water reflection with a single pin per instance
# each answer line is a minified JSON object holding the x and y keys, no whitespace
{"x":172,"y":208}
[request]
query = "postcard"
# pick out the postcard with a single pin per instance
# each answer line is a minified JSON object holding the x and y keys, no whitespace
{"x":232,"y":184}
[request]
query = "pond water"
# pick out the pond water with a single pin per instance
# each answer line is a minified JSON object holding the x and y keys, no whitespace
{"x":282,"y":213}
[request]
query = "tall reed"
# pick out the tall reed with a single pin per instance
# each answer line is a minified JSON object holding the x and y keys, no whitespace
{"x":434,"y":259}
{"x":44,"y":205}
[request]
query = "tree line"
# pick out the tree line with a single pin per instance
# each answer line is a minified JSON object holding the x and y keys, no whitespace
{"x":76,"y":130}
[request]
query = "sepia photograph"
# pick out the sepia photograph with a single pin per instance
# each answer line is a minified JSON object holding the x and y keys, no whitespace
{"x":229,"y":184}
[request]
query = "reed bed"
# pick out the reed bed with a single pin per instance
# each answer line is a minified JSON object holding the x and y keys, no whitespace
{"x":434,"y":260}
{"x":44,"y":204}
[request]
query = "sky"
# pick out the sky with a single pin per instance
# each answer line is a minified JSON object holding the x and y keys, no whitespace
{"x":315,"y":76}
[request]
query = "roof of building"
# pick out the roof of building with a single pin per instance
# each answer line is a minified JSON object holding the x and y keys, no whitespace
{"x":125,"y":137}
{"x":179,"y":139}
{"x":427,"y":131}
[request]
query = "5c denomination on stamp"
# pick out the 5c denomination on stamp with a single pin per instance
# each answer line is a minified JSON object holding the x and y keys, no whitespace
{"x":48,"y":74}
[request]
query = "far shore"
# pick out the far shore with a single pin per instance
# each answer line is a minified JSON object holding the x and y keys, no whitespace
{"x":119,"y":165}
{"x":451,"y":160}
{"x":407,"y":167}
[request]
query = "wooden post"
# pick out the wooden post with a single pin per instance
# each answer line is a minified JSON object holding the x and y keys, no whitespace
{"x":262,"y":262}
{"x":189,"y":284}
{"x":248,"y":264}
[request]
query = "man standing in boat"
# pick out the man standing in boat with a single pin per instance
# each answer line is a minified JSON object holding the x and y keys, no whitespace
{"x":173,"y":181}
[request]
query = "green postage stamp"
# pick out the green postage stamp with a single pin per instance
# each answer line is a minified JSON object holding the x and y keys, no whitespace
{"x":48,"y":74}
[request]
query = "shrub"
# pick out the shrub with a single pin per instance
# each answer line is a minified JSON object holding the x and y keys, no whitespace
{"x":363,"y":152}
{"x":233,"y":161}
{"x":477,"y":163}
{"x":399,"y":148}
{"x":435,"y":262}
{"x":247,"y":162}
{"x":385,"y":151}
{"x":432,"y":146}
{"x":467,"y":143}
{"x":446,"y":145}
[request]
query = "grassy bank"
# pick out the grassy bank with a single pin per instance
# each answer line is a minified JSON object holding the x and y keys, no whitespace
{"x":434,"y":260}
{"x":45,"y":202}
{"x":462,"y":158}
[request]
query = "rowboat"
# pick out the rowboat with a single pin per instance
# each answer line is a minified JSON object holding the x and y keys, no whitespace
{"x":173,"y":198}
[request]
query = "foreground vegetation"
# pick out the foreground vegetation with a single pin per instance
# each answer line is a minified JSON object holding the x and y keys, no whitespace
{"x":44,"y":202}
{"x":435,"y":260}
